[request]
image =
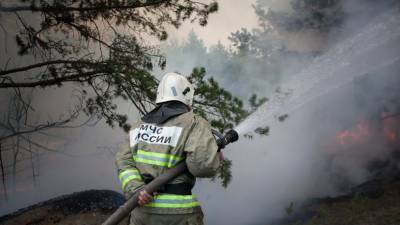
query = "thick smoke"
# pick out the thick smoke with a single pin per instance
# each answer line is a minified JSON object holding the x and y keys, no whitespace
{"x":302,"y":157}
{"x":305,"y":156}
{"x":76,"y":159}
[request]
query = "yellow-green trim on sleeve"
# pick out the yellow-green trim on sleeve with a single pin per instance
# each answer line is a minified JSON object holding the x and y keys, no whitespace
{"x":128,"y":175}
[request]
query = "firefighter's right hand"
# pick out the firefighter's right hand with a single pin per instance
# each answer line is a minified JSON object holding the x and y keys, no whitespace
{"x":144,"y":198}
{"x":221,"y":156}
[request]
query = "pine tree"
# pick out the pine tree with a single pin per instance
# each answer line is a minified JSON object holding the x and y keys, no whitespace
{"x":102,"y":47}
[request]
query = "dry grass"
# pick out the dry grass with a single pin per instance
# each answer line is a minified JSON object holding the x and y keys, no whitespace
{"x":50,"y":216}
{"x":384,"y":210}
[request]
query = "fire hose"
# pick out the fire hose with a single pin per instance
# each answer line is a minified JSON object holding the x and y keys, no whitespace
{"x":124,"y":210}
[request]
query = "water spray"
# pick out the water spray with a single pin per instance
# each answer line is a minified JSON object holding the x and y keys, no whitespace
{"x":354,"y":57}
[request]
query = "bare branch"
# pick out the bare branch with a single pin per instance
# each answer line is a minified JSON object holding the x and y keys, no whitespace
{"x":3,"y":176}
{"x":38,"y":65}
{"x":35,"y":129}
{"x":50,"y":82}
{"x":133,"y":5}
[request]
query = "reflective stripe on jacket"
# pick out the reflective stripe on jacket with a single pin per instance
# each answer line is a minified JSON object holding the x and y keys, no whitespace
{"x":152,"y":149}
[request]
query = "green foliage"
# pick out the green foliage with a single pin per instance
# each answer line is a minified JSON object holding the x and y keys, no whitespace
{"x":242,"y":72}
{"x":319,"y":15}
{"x":222,"y":110}
{"x":225,"y":172}
{"x":255,"y":102}
{"x":86,"y":42}
{"x":214,"y":103}
{"x":262,"y":130}
{"x":283,"y":117}
{"x":359,"y":201}
{"x":321,"y":212}
{"x":290,"y":209}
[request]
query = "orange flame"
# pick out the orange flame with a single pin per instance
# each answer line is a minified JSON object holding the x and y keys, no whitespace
{"x":358,"y":134}
{"x":392,"y":136}
{"x":390,"y":125}
{"x":362,"y":131}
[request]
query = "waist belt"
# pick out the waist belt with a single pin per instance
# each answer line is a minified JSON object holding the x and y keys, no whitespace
{"x":175,"y":189}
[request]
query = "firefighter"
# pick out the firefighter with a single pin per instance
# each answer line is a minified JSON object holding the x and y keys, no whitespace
{"x":167,"y":135}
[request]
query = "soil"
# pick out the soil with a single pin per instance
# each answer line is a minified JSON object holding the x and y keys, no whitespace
{"x":83,"y":208}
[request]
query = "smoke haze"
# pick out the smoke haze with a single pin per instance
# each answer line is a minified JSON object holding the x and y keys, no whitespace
{"x":301,"y":158}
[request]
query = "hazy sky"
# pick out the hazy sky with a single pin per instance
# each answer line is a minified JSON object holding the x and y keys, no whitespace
{"x":232,"y":15}
{"x":236,"y":14}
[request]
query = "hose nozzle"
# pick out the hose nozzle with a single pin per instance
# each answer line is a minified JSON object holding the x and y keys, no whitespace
{"x":231,"y":136}
{"x":222,"y":141}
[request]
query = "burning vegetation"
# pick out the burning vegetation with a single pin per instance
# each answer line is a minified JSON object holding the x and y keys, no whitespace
{"x":389,"y":130}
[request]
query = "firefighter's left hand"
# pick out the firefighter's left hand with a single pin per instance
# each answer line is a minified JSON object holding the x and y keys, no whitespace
{"x":144,"y":197}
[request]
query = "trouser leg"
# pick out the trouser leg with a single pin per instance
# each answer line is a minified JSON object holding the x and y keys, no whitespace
{"x":143,"y":218}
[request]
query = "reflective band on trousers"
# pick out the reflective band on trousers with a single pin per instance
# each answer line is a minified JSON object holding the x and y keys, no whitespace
{"x":128,"y":175}
{"x":173,"y":201}
{"x":155,"y":158}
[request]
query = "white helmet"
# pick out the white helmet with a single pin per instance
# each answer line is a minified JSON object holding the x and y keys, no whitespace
{"x":175,"y":87}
